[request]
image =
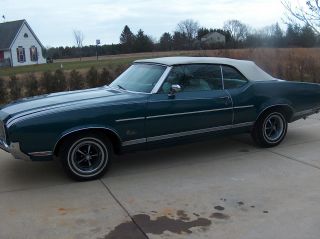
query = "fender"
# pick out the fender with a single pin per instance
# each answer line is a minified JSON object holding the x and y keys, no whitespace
{"x":84,"y":127}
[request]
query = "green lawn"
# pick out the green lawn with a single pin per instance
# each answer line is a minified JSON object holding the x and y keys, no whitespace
{"x":110,"y":63}
{"x":86,"y":63}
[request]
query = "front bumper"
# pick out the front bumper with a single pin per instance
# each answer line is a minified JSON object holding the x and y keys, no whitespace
{"x":14,"y":149}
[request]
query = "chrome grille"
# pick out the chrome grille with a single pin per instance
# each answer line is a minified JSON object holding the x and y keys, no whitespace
{"x":2,"y":132}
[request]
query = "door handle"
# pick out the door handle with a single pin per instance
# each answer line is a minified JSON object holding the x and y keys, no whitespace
{"x":226,"y":99}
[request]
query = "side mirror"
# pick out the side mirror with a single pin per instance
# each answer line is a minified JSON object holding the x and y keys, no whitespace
{"x":173,"y":90}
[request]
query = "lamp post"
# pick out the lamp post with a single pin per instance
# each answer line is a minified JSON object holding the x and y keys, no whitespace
{"x":97,"y":44}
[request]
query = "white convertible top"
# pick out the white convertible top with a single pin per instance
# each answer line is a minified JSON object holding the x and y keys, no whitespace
{"x":248,"y":68}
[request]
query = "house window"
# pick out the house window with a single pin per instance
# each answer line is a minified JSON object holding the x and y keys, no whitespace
{"x":33,"y":53}
{"x":21,"y":54}
{"x":25,"y":35}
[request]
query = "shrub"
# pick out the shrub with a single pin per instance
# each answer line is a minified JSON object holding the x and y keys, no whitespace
{"x":3,"y":91}
{"x":119,"y":70}
{"x":31,"y":85}
{"x":76,"y":81}
{"x":105,"y":77}
{"x":92,"y":77}
{"x":47,"y":83}
{"x":60,"y":83}
{"x":15,"y":88}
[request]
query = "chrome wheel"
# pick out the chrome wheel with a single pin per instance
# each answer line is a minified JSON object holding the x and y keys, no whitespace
{"x":87,"y":157}
{"x":274,"y":128}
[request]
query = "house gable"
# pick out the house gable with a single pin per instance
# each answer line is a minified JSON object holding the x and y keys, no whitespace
{"x":8,"y":32}
{"x":21,"y":48}
{"x":30,"y":30}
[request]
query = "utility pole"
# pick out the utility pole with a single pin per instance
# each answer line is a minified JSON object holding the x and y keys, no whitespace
{"x":97,"y":44}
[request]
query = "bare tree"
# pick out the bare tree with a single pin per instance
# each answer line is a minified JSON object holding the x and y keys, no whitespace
{"x":309,"y":14}
{"x":237,"y":29}
{"x":79,"y":37}
{"x":189,"y":28}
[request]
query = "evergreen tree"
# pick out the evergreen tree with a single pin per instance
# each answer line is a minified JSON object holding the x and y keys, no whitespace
{"x":202,"y":32}
{"x":143,"y":43}
{"x":277,"y":36}
{"x":293,"y":35}
{"x":127,"y":39}
{"x":180,"y":41}
{"x":308,"y":37}
{"x":166,"y":42}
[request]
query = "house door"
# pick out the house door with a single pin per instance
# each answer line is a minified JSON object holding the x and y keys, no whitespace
{"x":1,"y":55}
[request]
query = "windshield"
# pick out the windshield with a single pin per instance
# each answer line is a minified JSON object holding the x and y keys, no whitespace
{"x":139,"y":78}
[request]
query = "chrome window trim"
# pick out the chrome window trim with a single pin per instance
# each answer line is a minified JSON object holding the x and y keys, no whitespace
{"x":185,"y":133}
{"x":222,"y":77}
{"x":130,"y":91}
{"x":164,"y":76}
{"x":157,"y":85}
{"x":189,"y":99}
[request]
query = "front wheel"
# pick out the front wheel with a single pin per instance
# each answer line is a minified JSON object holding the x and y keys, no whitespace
{"x":270,"y":129}
{"x":86,"y":157}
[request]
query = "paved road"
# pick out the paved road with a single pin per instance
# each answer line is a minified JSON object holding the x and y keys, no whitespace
{"x":225,"y":188}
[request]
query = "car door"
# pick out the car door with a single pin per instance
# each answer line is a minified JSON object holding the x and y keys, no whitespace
{"x":201,"y":106}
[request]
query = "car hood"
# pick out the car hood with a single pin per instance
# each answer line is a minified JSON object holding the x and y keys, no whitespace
{"x":41,"y":103}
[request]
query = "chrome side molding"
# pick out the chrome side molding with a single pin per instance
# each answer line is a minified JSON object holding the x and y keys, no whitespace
{"x":185,"y":133}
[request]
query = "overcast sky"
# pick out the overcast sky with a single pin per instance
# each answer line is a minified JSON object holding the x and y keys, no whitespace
{"x":54,"y":21}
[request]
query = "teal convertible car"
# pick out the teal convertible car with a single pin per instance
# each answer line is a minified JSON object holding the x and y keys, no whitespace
{"x":155,"y":102}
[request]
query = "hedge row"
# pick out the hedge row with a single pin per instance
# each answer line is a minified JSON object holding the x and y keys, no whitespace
{"x":50,"y":82}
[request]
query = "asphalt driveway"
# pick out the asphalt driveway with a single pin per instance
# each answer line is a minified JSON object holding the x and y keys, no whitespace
{"x":224,"y":188}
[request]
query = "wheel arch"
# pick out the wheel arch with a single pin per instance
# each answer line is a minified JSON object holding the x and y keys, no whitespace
{"x":111,"y":134}
{"x":284,"y":108}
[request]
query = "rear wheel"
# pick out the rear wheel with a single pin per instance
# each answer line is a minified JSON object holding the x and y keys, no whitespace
{"x":270,"y":129}
{"x":86,"y":157}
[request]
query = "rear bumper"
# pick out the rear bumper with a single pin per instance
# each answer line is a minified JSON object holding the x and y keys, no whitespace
{"x":14,"y":149}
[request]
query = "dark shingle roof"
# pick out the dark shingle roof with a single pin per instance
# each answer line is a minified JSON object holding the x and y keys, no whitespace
{"x":8,"y":31}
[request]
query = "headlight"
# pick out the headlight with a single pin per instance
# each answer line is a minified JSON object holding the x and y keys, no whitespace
{"x":2,"y":132}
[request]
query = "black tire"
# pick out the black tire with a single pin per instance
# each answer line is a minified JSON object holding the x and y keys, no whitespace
{"x":270,"y":129}
{"x":86,"y":157}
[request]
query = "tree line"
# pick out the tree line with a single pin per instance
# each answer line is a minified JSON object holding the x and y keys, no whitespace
{"x":188,"y":35}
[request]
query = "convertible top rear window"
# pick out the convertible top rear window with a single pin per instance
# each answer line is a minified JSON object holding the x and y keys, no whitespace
{"x":139,"y":78}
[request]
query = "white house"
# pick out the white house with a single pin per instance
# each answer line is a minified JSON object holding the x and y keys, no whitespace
{"x":214,"y":38}
{"x":19,"y":46}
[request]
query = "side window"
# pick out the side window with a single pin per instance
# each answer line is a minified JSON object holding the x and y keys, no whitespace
{"x":196,"y":77}
{"x":33,"y":53}
{"x":232,"y":78}
{"x":21,"y":56}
